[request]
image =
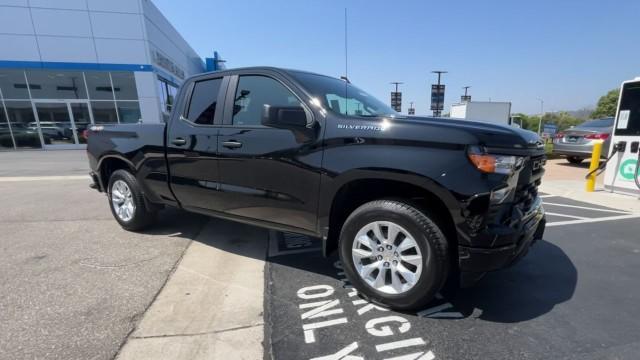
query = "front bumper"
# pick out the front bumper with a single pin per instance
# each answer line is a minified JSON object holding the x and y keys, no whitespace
{"x":475,"y":262}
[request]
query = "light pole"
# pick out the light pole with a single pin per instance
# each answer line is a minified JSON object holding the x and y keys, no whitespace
{"x":541,"y":115}
{"x":396,"y":83}
{"x":396,"y":100}
{"x":437,"y":111}
{"x":465,"y":97}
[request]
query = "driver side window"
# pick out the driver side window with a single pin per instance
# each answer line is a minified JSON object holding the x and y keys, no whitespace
{"x":255,"y":91}
{"x":344,"y":106}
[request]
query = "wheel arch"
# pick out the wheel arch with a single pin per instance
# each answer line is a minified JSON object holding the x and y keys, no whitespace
{"x":363,"y":186}
{"x":110,"y":163}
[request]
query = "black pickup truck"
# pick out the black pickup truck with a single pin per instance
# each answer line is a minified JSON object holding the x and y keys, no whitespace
{"x":408,"y":202}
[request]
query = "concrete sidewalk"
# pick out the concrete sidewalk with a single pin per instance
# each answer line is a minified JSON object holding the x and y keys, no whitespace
{"x":212,"y":305}
{"x":564,"y":179}
{"x":575,"y":189}
{"x":43,"y":163}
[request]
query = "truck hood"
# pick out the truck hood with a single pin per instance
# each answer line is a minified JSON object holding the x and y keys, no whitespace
{"x":489,"y":135}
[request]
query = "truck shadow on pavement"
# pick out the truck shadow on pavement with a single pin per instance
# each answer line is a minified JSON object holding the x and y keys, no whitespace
{"x":583,"y":165}
{"x":543,"y":279}
{"x":177,"y":223}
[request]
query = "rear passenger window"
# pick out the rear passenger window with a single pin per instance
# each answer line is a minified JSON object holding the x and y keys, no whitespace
{"x":255,"y":91}
{"x":202,"y":108}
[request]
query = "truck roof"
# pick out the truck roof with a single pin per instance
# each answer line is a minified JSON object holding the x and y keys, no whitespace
{"x":258,"y":68}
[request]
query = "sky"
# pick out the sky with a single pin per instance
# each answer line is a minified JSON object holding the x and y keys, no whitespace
{"x":566,"y":52}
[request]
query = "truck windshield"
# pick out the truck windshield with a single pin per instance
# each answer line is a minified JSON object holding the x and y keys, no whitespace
{"x":342,"y":97}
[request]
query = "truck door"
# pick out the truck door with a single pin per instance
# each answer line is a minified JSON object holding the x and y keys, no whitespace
{"x":267,"y":174}
{"x":192,"y":141}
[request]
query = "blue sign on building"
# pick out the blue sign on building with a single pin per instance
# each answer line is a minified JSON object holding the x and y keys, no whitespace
{"x":550,"y":128}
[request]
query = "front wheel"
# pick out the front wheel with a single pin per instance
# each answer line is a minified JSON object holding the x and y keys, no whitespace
{"x":127,"y":202}
{"x":394,"y":254}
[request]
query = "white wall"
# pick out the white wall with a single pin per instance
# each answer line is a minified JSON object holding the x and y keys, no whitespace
{"x":488,"y":112}
{"x":97,"y":32}
{"x":163,"y":37}
{"x":87,"y":31}
{"x":458,"y":111}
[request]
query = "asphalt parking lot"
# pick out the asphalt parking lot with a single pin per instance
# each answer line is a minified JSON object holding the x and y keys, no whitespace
{"x":73,"y":284}
{"x":574,"y":296}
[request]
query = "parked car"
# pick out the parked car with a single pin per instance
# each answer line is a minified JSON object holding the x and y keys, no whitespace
{"x":51,"y":129}
{"x":409,"y":203}
{"x":577,"y":143}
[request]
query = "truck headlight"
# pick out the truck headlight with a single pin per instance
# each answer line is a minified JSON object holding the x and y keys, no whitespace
{"x":491,"y":163}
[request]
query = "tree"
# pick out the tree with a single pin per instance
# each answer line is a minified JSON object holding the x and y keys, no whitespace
{"x":562,"y":119}
{"x":607,"y":105}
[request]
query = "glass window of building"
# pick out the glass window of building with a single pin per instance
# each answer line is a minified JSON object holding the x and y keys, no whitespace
{"x":104,"y":112}
{"x":23,"y":124}
{"x":45,"y":84}
{"x":99,"y":84}
{"x":167,"y":92}
{"x":129,"y":111}
{"x":55,"y":123}
{"x":81,"y":119}
{"x":171,"y":95}
{"x":13,"y":84}
{"x":162,"y":92}
{"x":124,"y":85}
{"x":6,"y":141}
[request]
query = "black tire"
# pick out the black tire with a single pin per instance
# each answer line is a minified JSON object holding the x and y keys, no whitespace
{"x":574,"y":159}
{"x":429,"y":238}
{"x":142,"y":216}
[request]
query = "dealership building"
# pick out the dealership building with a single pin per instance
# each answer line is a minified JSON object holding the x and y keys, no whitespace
{"x":68,"y":64}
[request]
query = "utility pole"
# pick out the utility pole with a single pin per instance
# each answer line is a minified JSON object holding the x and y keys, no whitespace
{"x":396,"y":83}
{"x":465,"y":97}
{"x":412,"y":110}
{"x":439,"y":92}
{"x":541,"y":115}
{"x":396,"y":97}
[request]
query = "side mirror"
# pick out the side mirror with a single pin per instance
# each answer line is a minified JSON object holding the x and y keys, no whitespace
{"x":284,"y":117}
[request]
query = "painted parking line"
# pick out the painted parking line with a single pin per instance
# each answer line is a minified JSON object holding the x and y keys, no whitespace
{"x":563,"y":211}
{"x":567,"y":216}
{"x":593,"y":220}
{"x":43,"y":178}
{"x":313,"y":312}
{"x":586,"y":208}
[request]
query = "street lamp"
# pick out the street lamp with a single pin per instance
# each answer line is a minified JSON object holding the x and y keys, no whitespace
{"x":541,"y":115}
{"x":396,"y":98}
{"x":437,"y":111}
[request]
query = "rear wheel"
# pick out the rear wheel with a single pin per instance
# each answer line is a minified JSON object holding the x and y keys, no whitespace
{"x":574,"y":159}
{"x":394,"y":254}
{"x":127,"y":202}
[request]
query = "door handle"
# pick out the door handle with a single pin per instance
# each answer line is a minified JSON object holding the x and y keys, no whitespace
{"x":232,"y":144}
{"x":178,"y":141}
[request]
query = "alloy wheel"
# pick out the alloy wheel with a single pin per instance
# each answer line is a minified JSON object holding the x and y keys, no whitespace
{"x":387,"y":257}
{"x":122,"y":200}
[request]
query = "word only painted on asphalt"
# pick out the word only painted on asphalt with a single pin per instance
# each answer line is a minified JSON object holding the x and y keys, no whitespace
{"x":321,"y":309}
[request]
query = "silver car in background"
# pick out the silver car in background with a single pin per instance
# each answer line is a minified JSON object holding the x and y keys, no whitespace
{"x":577,"y":142}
